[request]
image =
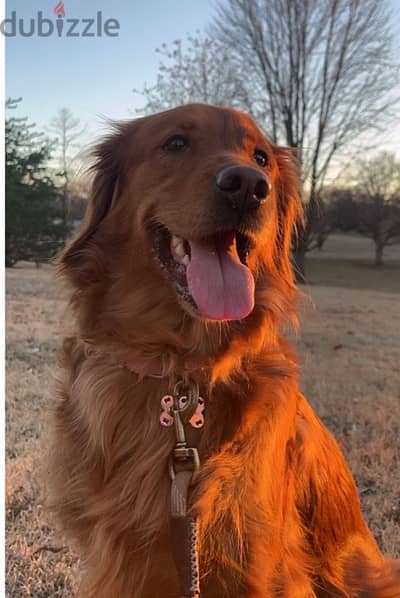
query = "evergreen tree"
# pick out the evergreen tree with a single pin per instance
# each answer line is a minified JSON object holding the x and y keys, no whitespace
{"x":34,"y":224}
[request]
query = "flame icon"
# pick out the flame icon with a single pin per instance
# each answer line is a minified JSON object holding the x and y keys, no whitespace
{"x":59,"y":9}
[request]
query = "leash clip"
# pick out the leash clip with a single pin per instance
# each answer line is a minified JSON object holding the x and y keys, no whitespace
{"x":182,"y":455}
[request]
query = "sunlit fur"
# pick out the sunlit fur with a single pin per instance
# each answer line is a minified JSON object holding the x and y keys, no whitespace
{"x":278,"y":508}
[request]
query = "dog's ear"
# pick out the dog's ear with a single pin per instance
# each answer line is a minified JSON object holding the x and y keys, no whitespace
{"x":107,"y":170}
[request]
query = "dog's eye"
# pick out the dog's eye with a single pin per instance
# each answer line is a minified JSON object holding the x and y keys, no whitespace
{"x":176,"y":143}
{"x":260,"y":157}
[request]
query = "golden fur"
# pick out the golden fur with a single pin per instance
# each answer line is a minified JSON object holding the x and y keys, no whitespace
{"x":278,"y":508}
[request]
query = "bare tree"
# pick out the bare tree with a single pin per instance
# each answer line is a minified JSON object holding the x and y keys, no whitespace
{"x":194,"y":70}
{"x":378,"y":181}
{"x":67,"y":130}
{"x":341,"y":207}
{"x":319,"y":77}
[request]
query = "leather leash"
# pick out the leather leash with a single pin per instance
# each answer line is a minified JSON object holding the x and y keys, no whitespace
{"x":185,"y":406}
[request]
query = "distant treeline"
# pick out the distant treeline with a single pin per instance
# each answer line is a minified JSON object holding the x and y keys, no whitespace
{"x":44,"y":206}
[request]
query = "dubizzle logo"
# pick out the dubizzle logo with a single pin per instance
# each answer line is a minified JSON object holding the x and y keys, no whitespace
{"x":59,"y":9}
{"x":45,"y":27}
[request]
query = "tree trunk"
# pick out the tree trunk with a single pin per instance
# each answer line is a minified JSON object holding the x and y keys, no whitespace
{"x":299,"y":264}
{"x":65,"y":211}
{"x":321,"y":238}
{"x":10,"y":262}
{"x":301,"y":240}
{"x":378,"y":254}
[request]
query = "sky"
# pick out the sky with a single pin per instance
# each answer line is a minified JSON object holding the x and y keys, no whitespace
{"x":95,"y":77}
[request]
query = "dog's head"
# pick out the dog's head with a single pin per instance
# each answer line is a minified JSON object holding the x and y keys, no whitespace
{"x":189,"y":222}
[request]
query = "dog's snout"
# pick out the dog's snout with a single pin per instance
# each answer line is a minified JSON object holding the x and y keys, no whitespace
{"x":243,"y":187}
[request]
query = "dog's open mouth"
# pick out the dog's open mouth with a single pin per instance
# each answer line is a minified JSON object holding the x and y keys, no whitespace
{"x":210,"y":274}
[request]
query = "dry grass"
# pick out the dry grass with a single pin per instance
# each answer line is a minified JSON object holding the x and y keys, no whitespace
{"x":37,"y":564}
{"x":350,"y":353}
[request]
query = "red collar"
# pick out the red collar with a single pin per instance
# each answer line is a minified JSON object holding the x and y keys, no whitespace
{"x":151,"y":368}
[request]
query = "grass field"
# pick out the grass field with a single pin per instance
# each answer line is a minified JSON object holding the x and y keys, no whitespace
{"x":349,"y":349}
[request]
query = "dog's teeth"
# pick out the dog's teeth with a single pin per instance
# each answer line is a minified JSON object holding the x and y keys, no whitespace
{"x":175,"y":241}
{"x":177,"y":247}
{"x":180,"y":250}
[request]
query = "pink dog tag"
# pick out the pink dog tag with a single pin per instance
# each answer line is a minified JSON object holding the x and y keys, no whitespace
{"x":197,"y":419}
{"x":166,"y":419}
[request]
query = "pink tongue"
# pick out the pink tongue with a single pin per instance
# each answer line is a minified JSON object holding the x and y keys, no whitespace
{"x":222,"y":287}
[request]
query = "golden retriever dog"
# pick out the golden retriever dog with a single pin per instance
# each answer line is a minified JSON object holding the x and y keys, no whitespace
{"x":181,"y":276}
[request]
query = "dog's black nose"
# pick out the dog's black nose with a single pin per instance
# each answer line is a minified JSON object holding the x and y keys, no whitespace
{"x":244,"y":187}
